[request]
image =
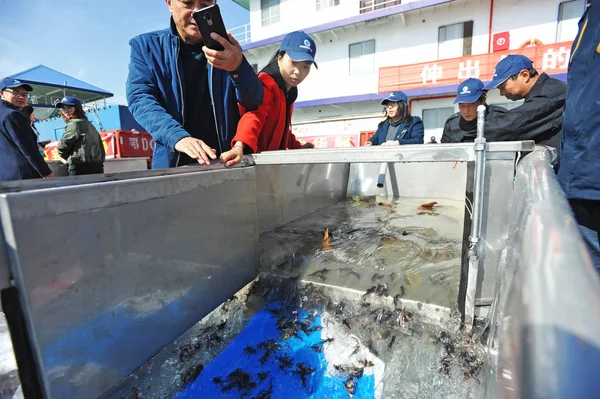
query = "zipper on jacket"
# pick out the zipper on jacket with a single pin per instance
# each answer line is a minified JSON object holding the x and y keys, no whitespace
{"x":181,"y":93}
{"x":212,"y":100}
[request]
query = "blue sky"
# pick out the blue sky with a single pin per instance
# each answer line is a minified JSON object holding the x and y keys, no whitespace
{"x":86,"y":39}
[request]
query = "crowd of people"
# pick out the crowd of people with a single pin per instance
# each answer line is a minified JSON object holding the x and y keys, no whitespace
{"x":203,"y":105}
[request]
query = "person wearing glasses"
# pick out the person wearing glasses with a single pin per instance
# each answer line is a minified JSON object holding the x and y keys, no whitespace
{"x":80,"y":146}
{"x":539,"y":118}
{"x":398,"y":127}
{"x":185,"y":94}
{"x":20,"y":157}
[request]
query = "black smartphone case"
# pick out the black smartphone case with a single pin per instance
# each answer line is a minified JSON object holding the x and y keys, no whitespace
{"x":209,"y":20}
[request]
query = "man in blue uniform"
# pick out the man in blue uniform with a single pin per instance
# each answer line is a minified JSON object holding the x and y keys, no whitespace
{"x":539,"y":118}
{"x":19,"y":154}
{"x":579,"y":173}
{"x":462,"y":126}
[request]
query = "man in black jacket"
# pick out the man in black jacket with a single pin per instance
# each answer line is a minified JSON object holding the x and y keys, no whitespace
{"x":19,"y":154}
{"x":462,"y":126}
{"x":539,"y":118}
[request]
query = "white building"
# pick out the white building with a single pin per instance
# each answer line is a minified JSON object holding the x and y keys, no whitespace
{"x":366,"y":48}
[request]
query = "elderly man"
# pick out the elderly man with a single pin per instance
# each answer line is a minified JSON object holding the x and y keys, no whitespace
{"x":185,"y":94}
{"x":539,"y":118}
{"x":462,"y":126}
{"x":20,"y":157}
{"x":579,"y":173}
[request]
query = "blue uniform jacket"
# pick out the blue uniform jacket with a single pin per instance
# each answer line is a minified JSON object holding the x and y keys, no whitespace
{"x":20,"y":157}
{"x":579,"y":172}
{"x":406,"y":134}
{"x":155,"y":93}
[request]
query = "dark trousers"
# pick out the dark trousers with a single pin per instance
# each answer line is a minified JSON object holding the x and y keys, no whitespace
{"x":86,"y":169}
{"x":587,"y":213}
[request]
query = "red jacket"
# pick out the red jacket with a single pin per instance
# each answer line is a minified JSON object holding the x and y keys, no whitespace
{"x":266,"y":128}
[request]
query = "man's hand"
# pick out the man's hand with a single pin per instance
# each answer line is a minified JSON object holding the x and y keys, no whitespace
{"x":196,"y":149}
{"x":229,"y":59}
{"x":308,"y":145}
{"x":51,"y":175}
{"x":368,"y":143}
{"x":233,"y":156}
{"x":391,"y":143}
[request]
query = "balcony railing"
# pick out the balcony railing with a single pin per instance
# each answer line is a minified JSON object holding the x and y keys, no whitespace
{"x":372,"y":5}
{"x":241,"y":33}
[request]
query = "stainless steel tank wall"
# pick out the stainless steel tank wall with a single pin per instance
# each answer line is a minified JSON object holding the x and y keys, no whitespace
{"x":112,"y":272}
{"x":288,"y":192}
{"x":544,"y":339}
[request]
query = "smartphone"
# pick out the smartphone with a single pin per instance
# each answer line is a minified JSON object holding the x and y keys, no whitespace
{"x":209,"y":20}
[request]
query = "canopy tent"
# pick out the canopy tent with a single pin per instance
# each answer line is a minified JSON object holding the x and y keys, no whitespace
{"x":49,"y":86}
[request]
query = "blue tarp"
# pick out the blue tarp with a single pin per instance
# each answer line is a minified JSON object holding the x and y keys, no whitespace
{"x":279,"y":382}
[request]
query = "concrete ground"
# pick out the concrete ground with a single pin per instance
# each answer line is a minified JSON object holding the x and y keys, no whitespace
{"x":9,"y":378}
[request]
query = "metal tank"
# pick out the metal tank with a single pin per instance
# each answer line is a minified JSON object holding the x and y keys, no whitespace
{"x":99,"y":273}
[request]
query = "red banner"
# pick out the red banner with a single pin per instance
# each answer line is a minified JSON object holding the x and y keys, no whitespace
{"x":117,"y":144}
{"x":551,"y":58}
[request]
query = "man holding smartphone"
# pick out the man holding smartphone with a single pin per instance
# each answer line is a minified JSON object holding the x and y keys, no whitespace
{"x":185,"y":94}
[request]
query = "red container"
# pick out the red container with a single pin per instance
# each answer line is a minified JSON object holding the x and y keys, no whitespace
{"x":117,"y":144}
{"x":127,"y":144}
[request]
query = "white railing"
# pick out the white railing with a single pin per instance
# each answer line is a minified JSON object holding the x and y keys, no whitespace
{"x":241,"y":33}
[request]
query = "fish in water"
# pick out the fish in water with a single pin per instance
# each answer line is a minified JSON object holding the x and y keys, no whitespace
{"x":392,"y":341}
{"x":387,"y":206}
{"x":303,"y":371}
{"x":320,"y":274}
{"x":379,"y":290}
{"x":349,"y":272}
{"x":427,"y":207}
{"x":191,"y":374}
{"x":249,"y":350}
{"x":376,"y":276}
{"x":326,"y":243}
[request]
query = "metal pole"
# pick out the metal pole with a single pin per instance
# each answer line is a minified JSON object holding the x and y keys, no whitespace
{"x":382,"y":172}
{"x":475,"y":236}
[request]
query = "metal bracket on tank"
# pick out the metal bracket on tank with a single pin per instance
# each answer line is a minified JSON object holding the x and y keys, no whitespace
{"x":475,"y":237}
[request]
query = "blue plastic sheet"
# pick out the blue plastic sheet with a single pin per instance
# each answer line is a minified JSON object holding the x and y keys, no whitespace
{"x":282,"y":383}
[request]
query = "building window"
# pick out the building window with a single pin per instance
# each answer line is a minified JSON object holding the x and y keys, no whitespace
{"x":434,"y":121}
{"x":323,"y":4}
{"x":269,"y":11}
{"x":362,"y":57}
{"x":370,"y":5}
{"x":455,"y":40}
{"x":569,"y":13}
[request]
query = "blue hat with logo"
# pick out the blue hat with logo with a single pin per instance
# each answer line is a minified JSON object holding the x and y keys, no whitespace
{"x":510,"y":66}
{"x":395,"y":96}
{"x":11,"y":83}
{"x":69,"y":100}
{"x":299,"y":47}
{"x":469,"y":91}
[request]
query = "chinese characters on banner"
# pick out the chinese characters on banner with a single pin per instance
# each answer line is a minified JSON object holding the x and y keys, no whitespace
{"x":551,"y":58}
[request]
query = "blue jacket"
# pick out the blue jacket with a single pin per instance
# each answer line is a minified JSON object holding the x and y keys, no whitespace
{"x":155,"y":93}
{"x":411,"y":134}
{"x":579,"y":172}
{"x":20,"y":156}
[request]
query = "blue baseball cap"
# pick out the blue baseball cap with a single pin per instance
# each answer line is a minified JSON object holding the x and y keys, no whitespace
{"x":469,"y":91}
{"x":395,"y":96}
{"x":11,"y":83}
{"x":510,"y":66}
{"x":69,"y":100}
{"x":299,"y":47}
